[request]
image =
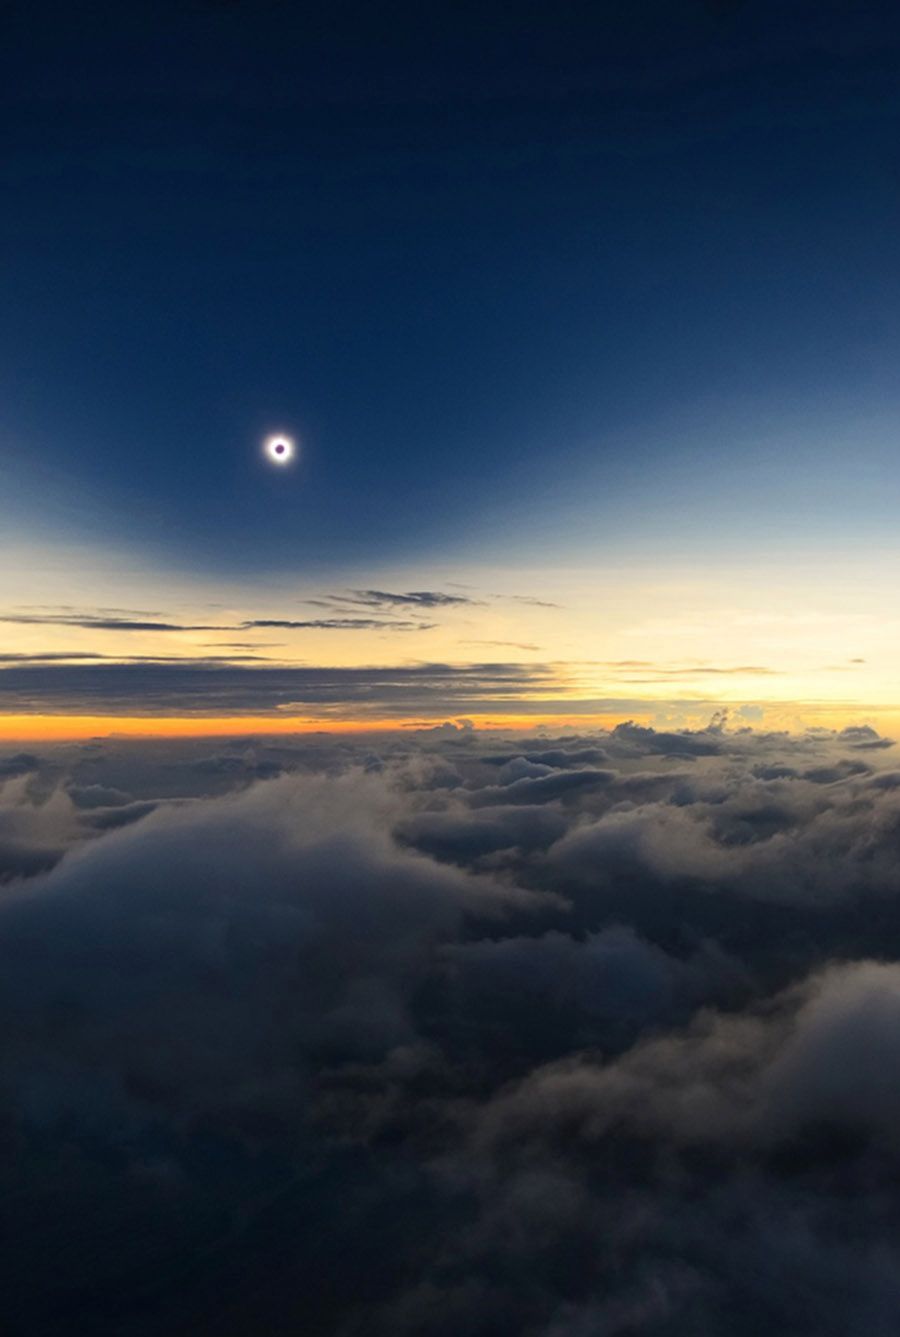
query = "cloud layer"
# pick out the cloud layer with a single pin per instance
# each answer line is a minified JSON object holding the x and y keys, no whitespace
{"x":458,"y":1033}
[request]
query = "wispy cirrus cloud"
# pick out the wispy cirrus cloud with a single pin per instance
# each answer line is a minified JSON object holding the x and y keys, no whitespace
{"x":656,"y":675}
{"x":653,"y":671}
{"x":386,"y":599}
{"x":528,"y":599}
{"x":513,"y":645}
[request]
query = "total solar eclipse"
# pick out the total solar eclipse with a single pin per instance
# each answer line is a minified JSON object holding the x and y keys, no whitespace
{"x":279,"y":449}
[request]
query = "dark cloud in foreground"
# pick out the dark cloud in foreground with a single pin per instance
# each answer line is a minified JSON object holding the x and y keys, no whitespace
{"x":862,"y":736}
{"x":18,"y":763}
{"x":452,"y":1033}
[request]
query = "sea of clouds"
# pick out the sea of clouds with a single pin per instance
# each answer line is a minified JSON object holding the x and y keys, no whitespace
{"x":448,"y":1032}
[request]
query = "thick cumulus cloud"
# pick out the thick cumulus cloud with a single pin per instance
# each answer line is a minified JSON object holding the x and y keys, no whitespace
{"x":448,"y":1032}
{"x":34,"y":832}
{"x":207,"y":937}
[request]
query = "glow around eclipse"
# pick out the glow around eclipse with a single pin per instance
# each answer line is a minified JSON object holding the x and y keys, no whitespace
{"x":279,"y":449}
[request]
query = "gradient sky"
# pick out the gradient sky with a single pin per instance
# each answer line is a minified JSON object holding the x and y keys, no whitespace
{"x":586,"y":319}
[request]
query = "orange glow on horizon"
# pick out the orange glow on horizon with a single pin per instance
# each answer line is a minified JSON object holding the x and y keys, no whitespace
{"x":65,"y":728}
{"x":74,"y":728}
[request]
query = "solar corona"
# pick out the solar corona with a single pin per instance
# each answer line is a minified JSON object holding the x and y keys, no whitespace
{"x":280,"y":450}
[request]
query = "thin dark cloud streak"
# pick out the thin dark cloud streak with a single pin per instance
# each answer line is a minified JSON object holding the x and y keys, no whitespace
{"x":63,"y":656}
{"x":514,"y":645}
{"x":408,"y":599}
{"x":101,"y":609}
{"x":100,"y":622}
{"x":337,"y":624}
{"x":674,"y":670}
{"x":527,"y":599}
{"x":756,"y":670}
{"x":77,"y":656}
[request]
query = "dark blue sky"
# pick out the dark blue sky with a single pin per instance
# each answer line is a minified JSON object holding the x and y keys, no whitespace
{"x":484,"y":259}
